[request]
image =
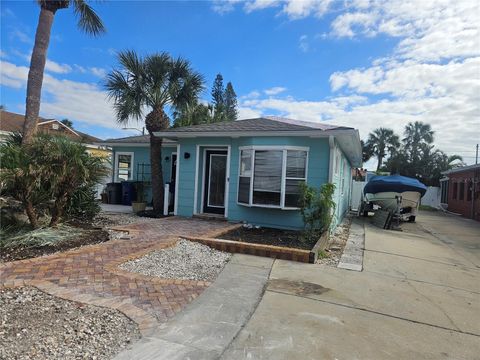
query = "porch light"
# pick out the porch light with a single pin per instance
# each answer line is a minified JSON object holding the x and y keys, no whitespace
{"x":167,"y":159}
{"x":186,"y":155}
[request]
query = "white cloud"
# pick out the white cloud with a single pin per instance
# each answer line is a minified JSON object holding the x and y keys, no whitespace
{"x":294,"y":9}
{"x":274,"y":90}
{"x":58,"y":68}
{"x":303,"y":43}
{"x":99,"y":72}
{"x":82,"y":102}
{"x":21,"y":36}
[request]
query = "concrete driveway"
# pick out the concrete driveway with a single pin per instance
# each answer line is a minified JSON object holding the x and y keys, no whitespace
{"x":417,"y":298}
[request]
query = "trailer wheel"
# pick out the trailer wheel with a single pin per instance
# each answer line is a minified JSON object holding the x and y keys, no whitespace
{"x":411,"y":219}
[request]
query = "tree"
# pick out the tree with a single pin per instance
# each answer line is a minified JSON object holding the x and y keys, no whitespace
{"x":381,"y":141}
{"x":193,"y":114}
{"x":88,"y":21}
{"x":230,"y":97}
{"x":416,"y":134}
{"x":152,"y":83}
{"x":367,"y":151}
{"x":67,"y":122}
{"x":218,"y":99}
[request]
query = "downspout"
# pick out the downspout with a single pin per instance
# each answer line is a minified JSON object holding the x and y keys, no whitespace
{"x":331,"y":142}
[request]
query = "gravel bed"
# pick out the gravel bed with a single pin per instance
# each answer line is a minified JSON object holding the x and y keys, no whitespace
{"x":336,"y":243}
{"x":113,"y":219}
{"x":186,"y":260}
{"x":35,"y":325}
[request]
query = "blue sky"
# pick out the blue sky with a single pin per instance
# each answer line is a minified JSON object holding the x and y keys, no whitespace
{"x":361,"y":64}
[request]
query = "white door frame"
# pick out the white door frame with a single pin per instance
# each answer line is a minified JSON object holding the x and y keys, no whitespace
{"x":204,"y":148}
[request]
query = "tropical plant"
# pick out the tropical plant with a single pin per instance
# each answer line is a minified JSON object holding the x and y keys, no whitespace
{"x":317,"y":208}
{"x":49,"y":171}
{"x":22,"y":176}
{"x":382,"y":141}
{"x":416,"y":135}
{"x":67,"y":122}
{"x":88,"y":21}
{"x":367,"y":151}
{"x":193,"y":114}
{"x":154,"y":83}
{"x":71,"y":170}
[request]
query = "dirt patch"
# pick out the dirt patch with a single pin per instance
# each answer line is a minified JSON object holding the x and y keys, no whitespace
{"x":267,"y":236}
{"x":87,"y":237}
{"x":301,"y":288}
{"x":35,"y":325}
{"x":338,"y":239}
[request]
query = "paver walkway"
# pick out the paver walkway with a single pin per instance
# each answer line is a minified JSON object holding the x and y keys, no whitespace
{"x":90,"y":274}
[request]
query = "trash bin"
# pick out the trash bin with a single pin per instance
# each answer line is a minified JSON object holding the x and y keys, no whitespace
{"x":129,"y":192}
{"x":114,"y":193}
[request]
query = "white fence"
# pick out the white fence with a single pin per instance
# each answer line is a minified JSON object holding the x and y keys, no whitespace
{"x":357,"y":194}
{"x":432,"y":197}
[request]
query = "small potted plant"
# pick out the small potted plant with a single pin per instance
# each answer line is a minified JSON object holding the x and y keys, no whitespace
{"x":140,"y":204}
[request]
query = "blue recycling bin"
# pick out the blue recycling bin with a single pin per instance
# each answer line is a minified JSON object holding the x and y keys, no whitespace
{"x":129,"y":193}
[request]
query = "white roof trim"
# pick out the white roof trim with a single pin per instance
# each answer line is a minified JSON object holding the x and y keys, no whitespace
{"x":65,"y":126}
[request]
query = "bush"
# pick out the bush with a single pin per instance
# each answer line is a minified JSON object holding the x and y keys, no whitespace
{"x":53,"y":171}
{"x":317,"y":208}
{"x":83,"y":205}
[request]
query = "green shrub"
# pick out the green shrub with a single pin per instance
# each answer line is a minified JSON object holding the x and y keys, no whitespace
{"x":53,"y":171}
{"x":317,"y":208}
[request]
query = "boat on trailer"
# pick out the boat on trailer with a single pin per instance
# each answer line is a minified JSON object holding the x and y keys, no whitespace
{"x":394,"y":193}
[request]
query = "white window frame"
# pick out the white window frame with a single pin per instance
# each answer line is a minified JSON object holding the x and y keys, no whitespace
{"x":284,"y":178}
{"x":117,"y":154}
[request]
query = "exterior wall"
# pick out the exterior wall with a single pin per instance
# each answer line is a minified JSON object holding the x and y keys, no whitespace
{"x":317,"y":174}
{"x":469,"y":206}
{"x":142,"y":156}
{"x":341,"y":171}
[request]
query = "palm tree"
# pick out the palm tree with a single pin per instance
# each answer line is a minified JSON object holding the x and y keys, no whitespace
{"x":416,"y":134}
{"x":88,"y":21}
{"x":152,"y":83}
{"x":381,"y":141}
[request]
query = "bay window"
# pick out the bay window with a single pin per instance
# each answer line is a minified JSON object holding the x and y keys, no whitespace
{"x":270,"y":177}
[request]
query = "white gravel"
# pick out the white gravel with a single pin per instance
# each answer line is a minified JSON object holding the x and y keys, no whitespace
{"x":186,"y":260}
{"x":336,"y":243}
{"x":35,"y":325}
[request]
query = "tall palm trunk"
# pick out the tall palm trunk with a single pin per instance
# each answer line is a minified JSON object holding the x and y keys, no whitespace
{"x":35,"y":74}
{"x":156,"y":120}
{"x":380,"y":159}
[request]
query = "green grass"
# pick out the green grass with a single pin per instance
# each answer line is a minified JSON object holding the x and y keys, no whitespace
{"x":322,"y":254}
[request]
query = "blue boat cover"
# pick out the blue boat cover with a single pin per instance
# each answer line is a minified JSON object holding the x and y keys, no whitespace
{"x":393,"y":183}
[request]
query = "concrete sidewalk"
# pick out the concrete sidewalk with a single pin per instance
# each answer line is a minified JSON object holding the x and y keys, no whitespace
{"x":418,"y":297}
{"x":208,"y":325}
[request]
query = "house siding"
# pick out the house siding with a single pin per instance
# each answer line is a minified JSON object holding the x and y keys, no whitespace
{"x":142,"y":156}
{"x":317,"y":174}
{"x":469,"y":205}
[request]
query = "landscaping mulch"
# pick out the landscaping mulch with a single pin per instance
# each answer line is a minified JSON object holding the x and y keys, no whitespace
{"x":35,"y":325}
{"x":88,"y":237}
{"x":267,"y":236}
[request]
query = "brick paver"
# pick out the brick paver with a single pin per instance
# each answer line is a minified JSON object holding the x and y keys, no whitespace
{"x":90,"y":274}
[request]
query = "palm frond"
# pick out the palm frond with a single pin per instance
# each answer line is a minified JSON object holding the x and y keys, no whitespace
{"x":88,"y":20}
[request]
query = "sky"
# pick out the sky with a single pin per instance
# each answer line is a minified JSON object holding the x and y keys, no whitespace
{"x":359,"y":63}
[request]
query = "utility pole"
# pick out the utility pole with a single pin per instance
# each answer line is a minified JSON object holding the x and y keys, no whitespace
{"x":476,"y":156}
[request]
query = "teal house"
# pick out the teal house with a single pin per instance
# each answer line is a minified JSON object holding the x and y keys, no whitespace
{"x":245,"y":170}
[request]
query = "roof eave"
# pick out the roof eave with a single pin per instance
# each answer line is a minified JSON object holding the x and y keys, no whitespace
{"x":235,"y":134}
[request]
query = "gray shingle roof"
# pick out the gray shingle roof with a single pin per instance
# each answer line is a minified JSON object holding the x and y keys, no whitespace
{"x":269,"y":123}
{"x":131,"y":139}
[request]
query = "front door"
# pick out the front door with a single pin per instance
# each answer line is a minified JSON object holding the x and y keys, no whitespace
{"x":214,"y":184}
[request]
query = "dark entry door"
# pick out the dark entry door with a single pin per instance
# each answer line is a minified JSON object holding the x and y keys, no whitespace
{"x":215,"y":177}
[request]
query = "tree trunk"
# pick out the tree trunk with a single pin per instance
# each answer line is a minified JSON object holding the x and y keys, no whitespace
{"x":31,"y":213}
{"x":380,"y":158}
{"x":35,"y":74}
{"x":157,"y":173}
{"x":57,"y":210}
{"x":156,"y":120}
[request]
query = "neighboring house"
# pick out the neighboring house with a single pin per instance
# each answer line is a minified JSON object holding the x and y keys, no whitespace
{"x":460,"y":191}
{"x":246,"y":170}
{"x":12,"y":123}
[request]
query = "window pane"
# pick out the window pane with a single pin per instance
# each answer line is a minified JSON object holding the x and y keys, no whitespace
{"x":292,"y":193}
{"x":246,"y":163}
{"x":267,"y":177}
{"x":296,"y":163}
{"x":124,"y":174}
{"x":244,"y":190}
{"x":124,"y":161}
